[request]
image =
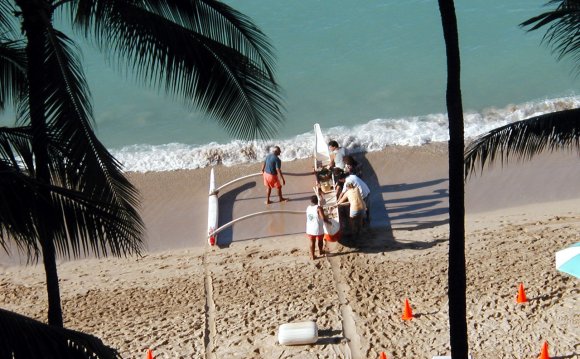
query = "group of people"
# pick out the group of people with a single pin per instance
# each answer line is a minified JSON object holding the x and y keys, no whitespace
{"x":351,"y":191}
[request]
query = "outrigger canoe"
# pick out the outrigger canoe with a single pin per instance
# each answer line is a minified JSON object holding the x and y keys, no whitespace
{"x":213,"y":227}
{"x":325,"y":190}
{"x":325,"y":186}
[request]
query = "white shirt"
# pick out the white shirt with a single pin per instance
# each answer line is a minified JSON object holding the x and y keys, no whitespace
{"x":314,"y":224}
{"x":357,"y":182}
{"x":339,"y":153}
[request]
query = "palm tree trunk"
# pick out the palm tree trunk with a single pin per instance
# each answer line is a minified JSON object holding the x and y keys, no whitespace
{"x":456,"y":275}
{"x":34,"y":14}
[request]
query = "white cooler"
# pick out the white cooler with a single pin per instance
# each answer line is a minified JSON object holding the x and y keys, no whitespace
{"x":298,"y":333}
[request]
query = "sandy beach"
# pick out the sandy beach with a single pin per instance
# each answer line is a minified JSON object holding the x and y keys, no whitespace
{"x":184,"y":299}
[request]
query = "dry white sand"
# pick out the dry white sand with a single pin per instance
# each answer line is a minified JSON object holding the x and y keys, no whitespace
{"x":184,"y":299}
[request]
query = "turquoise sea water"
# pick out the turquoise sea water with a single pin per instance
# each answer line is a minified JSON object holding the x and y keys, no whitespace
{"x":372,"y":73}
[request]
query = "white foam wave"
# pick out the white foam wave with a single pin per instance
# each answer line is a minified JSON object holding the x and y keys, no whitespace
{"x":375,"y":135}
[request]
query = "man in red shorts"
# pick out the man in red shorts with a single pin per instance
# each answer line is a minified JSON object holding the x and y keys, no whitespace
{"x":271,"y":170}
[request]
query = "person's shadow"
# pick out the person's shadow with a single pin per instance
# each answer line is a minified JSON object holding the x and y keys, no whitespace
{"x":389,"y":207}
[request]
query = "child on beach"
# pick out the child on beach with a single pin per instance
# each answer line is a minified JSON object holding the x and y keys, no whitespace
{"x":315,"y":220}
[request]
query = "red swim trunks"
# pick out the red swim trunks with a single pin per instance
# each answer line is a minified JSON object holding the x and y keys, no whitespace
{"x":271,"y":181}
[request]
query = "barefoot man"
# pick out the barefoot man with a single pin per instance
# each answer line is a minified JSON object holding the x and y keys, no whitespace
{"x":315,"y":220}
{"x":271,"y":170}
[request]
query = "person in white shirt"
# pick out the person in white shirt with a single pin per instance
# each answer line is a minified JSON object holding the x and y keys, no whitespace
{"x":364,"y":192}
{"x":337,"y":154}
{"x":315,"y":220}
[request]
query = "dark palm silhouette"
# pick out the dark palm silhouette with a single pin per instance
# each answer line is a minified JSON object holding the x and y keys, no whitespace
{"x":23,"y":337}
{"x":456,"y":268}
{"x":63,"y":191}
{"x":551,"y":131}
{"x":563,"y":24}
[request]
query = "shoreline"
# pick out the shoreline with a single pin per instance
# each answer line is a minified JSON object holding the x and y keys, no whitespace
{"x":408,"y":191}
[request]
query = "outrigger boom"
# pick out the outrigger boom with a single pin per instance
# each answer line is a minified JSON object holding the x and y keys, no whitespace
{"x":325,"y":190}
{"x":231,"y":223}
{"x":213,"y":208}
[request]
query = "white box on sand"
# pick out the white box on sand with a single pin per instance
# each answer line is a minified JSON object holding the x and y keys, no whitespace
{"x":298,"y":333}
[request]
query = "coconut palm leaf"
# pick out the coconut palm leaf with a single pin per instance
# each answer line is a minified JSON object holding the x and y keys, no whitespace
{"x":16,"y":191}
{"x":79,"y":162}
{"x":19,"y":192}
{"x":24,"y":337}
{"x":525,"y":139}
{"x":12,"y":71}
{"x":563,"y":34}
{"x":198,"y":50}
{"x":6,"y":22}
{"x":15,"y":148}
{"x":16,"y":223}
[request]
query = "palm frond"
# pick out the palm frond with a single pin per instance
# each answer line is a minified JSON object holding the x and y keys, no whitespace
{"x":80,"y":162}
{"x":7,"y":25}
{"x":16,"y":192}
{"x":24,"y":337}
{"x":17,"y":225}
{"x":15,"y":147}
{"x":211,"y":18}
{"x":201,"y":51}
{"x":563,"y":33}
{"x":93,"y":226}
{"x":525,"y":139}
{"x":12,"y":71}
{"x":20,"y":192}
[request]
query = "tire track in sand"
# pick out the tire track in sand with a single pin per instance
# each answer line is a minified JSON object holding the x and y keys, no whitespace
{"x":209,"y":325}
{"x":352,"y":347}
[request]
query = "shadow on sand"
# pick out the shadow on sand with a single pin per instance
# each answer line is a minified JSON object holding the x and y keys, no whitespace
{"x":392,"y":209}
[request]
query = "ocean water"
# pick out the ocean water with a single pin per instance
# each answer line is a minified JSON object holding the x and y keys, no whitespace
{"x":371,"y":73}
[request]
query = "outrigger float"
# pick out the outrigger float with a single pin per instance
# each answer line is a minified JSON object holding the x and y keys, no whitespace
{"x":324,"y":189}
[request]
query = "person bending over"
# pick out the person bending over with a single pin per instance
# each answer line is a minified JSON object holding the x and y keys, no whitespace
{"x":357,"y":207}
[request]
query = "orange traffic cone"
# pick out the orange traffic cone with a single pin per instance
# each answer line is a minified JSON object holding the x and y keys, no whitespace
{"x":544,"y":353}
{"x":383,"y":355}
{"x":150,"y":354}
{"x":521,"y":295}
{"x":407,"y":312}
